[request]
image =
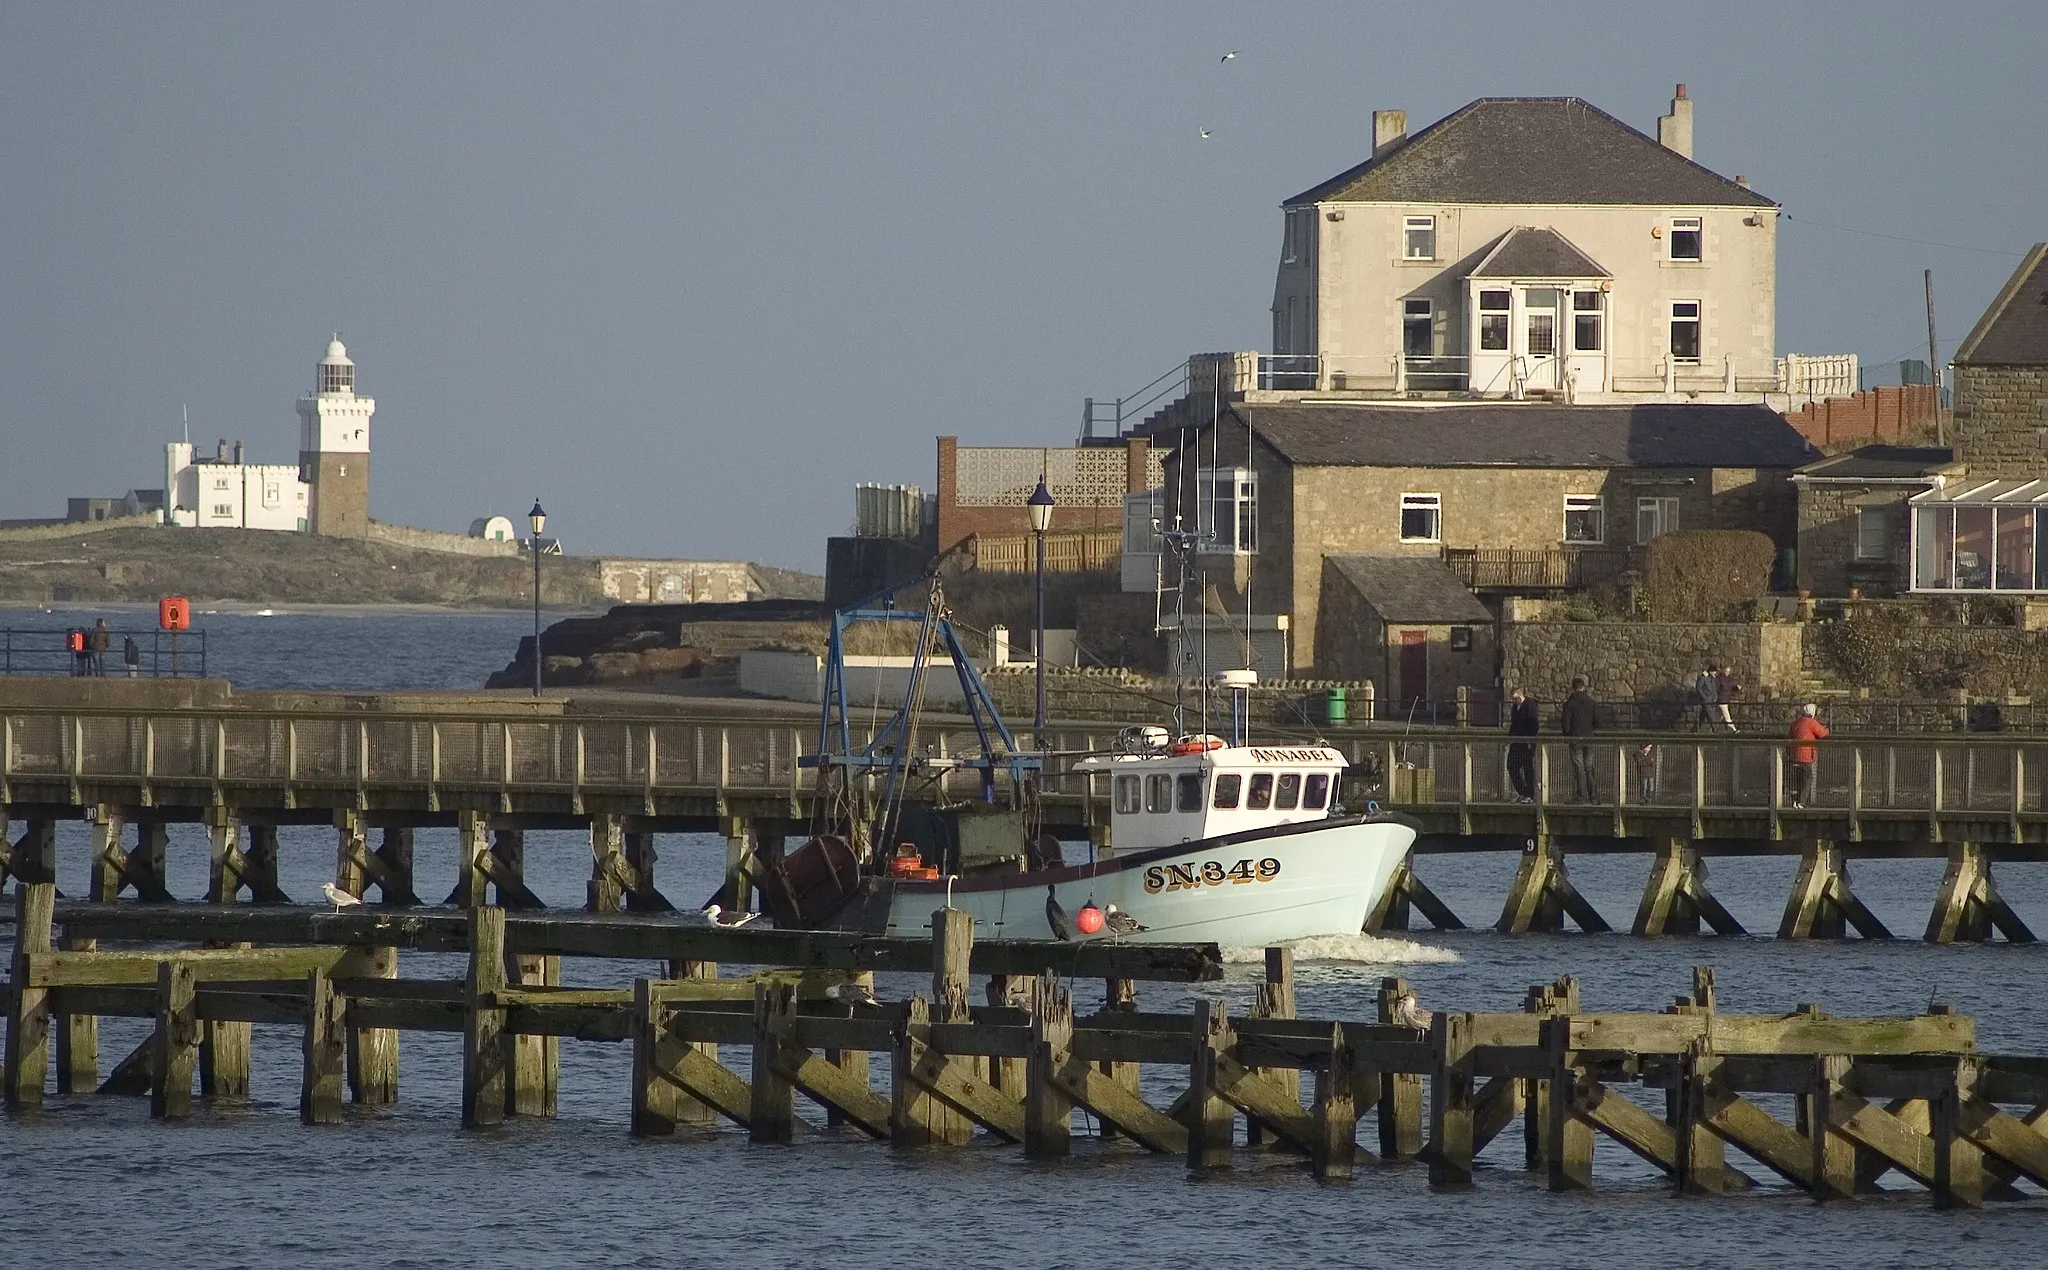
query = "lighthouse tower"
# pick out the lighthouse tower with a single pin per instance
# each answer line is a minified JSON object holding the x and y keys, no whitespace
{"x":334,"y":448}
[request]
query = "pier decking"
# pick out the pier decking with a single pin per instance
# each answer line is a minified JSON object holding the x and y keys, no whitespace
{"x":1874,"y":1097}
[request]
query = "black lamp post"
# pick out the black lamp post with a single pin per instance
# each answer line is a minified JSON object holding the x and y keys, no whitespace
{"x":1040,"y":504}
{"x":536,"y":520}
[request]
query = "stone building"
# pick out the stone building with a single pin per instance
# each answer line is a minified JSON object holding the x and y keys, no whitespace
{"x":1853,"y":509}
{"x":1513,"y":498}
{"x":1530,"y":244}
{"x":1408,"y":625}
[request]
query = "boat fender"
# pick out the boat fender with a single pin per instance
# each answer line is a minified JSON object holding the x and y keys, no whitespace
{"x":1195,"y":745}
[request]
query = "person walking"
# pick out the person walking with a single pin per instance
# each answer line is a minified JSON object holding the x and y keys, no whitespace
{"x":1725,"y":692}
{"x":1523,"y":720}
{"x":131,"y":653}
{"x":1806,"y":729}
{"x":1579,"y":719}
{"x":96,"y":642}
{"x":1704,"y":692}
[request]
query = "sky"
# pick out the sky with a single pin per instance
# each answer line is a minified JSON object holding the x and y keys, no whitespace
{"x":687,"y":273}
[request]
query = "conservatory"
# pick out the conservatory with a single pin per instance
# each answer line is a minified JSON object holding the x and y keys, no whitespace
{"x":1981,"y":536}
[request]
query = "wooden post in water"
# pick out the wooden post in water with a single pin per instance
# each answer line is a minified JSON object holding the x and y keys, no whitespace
{"x":688,"y":1110}
{"x":259,"y":866}
{"x":1834,"y":1154}
{"x":473,"y":865}
{"x":643,"y":896}
{"x":608,"y":881}
{"x":1335,"y":1114}
{"x":1212,"y":1121}
{"x":952,"y":950}
{"x":1702,"y":1158}
{"x":1400,"y":1095}
{"x":771,"y":1114}
{"x":1450,"y":1101}
{"x":78,"y":1035}
{"x":657,"y":1063}
{"x":739,"y":855}
{"x":324,"y":1052}
{"x":533,"y":1063}
{"x":1275,"y":1001}
{"x":224,"y":1043}
{"x":483,"y":1028}
{"x":1569,"y":1140}
{"x":1048,"y":1110}
{"x":392,"y":863}
{"x":1958,"y":1162}
{"x":28,"y":1009}
{"x":175,"y":1043}
{"x":352,"y":850}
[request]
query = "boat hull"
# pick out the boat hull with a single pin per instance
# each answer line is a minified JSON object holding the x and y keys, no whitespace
{"x":1242,"y":890}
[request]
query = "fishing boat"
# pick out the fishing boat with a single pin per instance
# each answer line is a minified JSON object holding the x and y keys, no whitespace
{"x":1210,"y":840}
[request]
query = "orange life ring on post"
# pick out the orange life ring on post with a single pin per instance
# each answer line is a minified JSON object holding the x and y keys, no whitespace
{"x":1195,"y":745}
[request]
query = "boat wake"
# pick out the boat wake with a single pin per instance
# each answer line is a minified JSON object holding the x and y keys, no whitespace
{"x":1370,"y":949}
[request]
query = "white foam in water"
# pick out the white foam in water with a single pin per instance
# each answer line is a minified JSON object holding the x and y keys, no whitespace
{"x":1371,"y":949}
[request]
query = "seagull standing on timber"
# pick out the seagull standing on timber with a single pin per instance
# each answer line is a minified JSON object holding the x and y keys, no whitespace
{"x":1407,"y":1015}
{"x":1121,"y":923}
{"x":339,"y":898}
{"x":1056,"y":917}
{"x":730,"y":921}
{"x":853,"y":994}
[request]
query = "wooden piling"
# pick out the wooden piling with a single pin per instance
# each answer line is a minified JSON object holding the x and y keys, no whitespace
{"x":737,"y":892}
{"x":1568,"y":1140}
{"x":657,"y":1063}
{"x":78,"y":1041}
{"x":1701,"y":1164}
{"x":642,"y":896}
{"x":372,"y":1051}
{"x":1212,"y":1121}
{"x":1450,"y":1100}
{"x":952,"y":951}
{"x":108,"y":866}
{"x":1822,"y":905}
{"x":473,"y":867}
{"x":1335,"y":1115}
{"x":1834,"y":1154}
{"x":772,"y":1111}
{"x":1400,"y":1093}
{"x":391,"y":862}
{"x":1275,"y":1001}
{"x":533,"y":1063}
{"x":483,"y":1030}
{"x":224,"y":1043}
{"x":1958,"y":1162}
{"x":28,"y":1007}
{"x":609,"y":882}
{"x":175,"y":1043}
{"x":323,"y":1055}
{"x":1542,"y":895}
{"x":1967,"y":907}
{"x":1676,"y":900}
{"x":693,"y":1111}
{"x":1048,"y":1109}
{"x":351,"y":851}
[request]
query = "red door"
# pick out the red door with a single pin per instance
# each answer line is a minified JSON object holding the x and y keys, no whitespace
{"x":1414,"y":667}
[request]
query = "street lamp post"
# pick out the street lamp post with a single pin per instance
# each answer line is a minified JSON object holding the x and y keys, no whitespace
{"x":1040,"y":504}
{"x":536,"y":520}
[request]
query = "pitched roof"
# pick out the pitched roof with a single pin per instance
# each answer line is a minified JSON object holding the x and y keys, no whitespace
{"x":1411,"y":589}
{"x":1532,"y":150}
{"x":1528,"y":434}
{"x":1881,"y":463}
{"x":1524,"y":252}
{"x":2014,"y":330}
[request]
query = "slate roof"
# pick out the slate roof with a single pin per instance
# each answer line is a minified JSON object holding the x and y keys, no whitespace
{"x":1881,"y":463}
{"x":1524,"y":252}
{"x":2014,"y":330}
{"x":1532,"y":150}
{"x":1411,"y":589}
{"x":1529,"y":434}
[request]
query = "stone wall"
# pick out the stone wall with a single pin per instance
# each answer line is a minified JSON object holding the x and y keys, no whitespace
{"x":1121,"y":697}
{"x":437,"y":540}
{"x":2001,"y":420}
{"x":1629,"y":661}
{"x":72,"y":529}
{"x":1827,"y":539}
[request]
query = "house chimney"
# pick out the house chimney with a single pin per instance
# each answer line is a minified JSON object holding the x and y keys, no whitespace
{"x":1389,"y":131}
{"x":220,"y":450}
{"x":1674,"y":131}
{"x":238,"y":452}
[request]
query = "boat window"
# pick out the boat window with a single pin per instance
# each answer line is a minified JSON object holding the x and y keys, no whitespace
{"x":1260,"y":796}
{"x":1290,"y":791}
{"x":1159,"y":792}
{"x":1226,"y":790}
{"x":1190,"y":791}
{"x":1128,"y":799}
{"x":1316,"y":793}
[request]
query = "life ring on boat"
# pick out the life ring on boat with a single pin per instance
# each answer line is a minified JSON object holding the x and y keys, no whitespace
{"x":1201,"y":744}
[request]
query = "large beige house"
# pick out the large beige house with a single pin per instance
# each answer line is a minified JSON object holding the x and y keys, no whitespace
{"x":1528,"y":246}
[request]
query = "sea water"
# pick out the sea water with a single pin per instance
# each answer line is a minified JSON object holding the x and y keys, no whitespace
{"x":94,"y":1182}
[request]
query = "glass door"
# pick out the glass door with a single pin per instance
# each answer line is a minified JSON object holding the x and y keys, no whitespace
{"x":1539,"y":337}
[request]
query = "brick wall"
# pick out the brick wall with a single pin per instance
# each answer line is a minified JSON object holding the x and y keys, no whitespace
{"x":1876,"y":414}
{"x":957,"y":523}
{"x":2001,"y":420}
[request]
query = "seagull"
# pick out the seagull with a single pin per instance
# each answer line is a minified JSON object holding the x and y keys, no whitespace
{"x":1056,"y":917}
{"x":1227,"y":57}
{"x":1205,"y":134}
{"x":853,"y":994}
{"x":1121,"y":923}
{"x":730,"y":921}
{"x":1407,"y":1015}
{"x":339,"y":898}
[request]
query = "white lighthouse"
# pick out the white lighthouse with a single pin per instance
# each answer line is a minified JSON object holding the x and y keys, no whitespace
{"x":334,"y":448}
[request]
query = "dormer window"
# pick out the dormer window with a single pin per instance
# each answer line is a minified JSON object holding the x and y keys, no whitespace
{"x":1687,"y":238}
{"x":1418,"y":238}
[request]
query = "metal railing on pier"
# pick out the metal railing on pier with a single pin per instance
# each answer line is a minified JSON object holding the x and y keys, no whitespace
{"x":161,"y":654}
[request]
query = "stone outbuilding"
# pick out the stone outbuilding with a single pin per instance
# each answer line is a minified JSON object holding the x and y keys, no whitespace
{"x":1853,"y":509}
{"x":1407,"y":624}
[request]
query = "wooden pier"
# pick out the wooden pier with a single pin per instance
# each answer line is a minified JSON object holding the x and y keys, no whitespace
{"x":376,"y":775}
{"x":1873,"y":1098}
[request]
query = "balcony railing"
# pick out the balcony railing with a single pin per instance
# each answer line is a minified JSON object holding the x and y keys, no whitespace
{"x":1234,"y":374}
{"x":1538,"y":568}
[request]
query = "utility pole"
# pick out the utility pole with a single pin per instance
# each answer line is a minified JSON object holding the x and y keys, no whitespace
{"x":1934,"y":362}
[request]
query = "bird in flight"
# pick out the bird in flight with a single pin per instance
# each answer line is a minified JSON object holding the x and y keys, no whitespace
{"x":1227,"y":57}
{"x":339,"y":898}
{"x":730,"y":921}
{"x":1121,"y":923}
{"x":1205,"y":134}
{"x":1056,"y":917}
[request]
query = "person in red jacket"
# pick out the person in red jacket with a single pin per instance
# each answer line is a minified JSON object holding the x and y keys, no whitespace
{"x":1806,"y":729}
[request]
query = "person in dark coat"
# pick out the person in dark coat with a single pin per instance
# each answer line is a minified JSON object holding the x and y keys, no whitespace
{"x":1580,"y":718}
{"x":1523,"y":720}
{"x":97,"y":641}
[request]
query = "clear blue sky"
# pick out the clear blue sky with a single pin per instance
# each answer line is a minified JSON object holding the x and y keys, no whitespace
{"x":689,"y":272}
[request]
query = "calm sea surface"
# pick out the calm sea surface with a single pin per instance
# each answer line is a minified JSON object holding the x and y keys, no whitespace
{"x":93,"y":1182}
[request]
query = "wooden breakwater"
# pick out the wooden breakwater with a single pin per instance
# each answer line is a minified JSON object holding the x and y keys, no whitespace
{"x":1873,"y":1097}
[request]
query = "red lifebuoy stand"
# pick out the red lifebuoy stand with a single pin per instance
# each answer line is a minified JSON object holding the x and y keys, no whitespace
{"x":174,"y":613}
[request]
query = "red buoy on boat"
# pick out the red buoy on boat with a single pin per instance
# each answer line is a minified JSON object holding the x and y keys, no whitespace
{"x":1088,"y":919}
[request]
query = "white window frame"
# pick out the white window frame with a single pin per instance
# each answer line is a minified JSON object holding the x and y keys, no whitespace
{"x":224,"y":511}
{"x":1410,"y":226}
{"x":1505,"y":313}
{"x":1593,"y":503}
{"x":1698,"y":319}
{"x":1431,"y":503}
{"x":1685,"y":224}
{"x":1598,"y":312}
{"x":1237,"y":532}
{"x":1418,"y":311}
{"x":1664,"y":509}
{"x":1868,"y":518}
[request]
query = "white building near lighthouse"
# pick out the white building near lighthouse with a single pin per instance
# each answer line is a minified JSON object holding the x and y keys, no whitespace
{"x":220,"y":491}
